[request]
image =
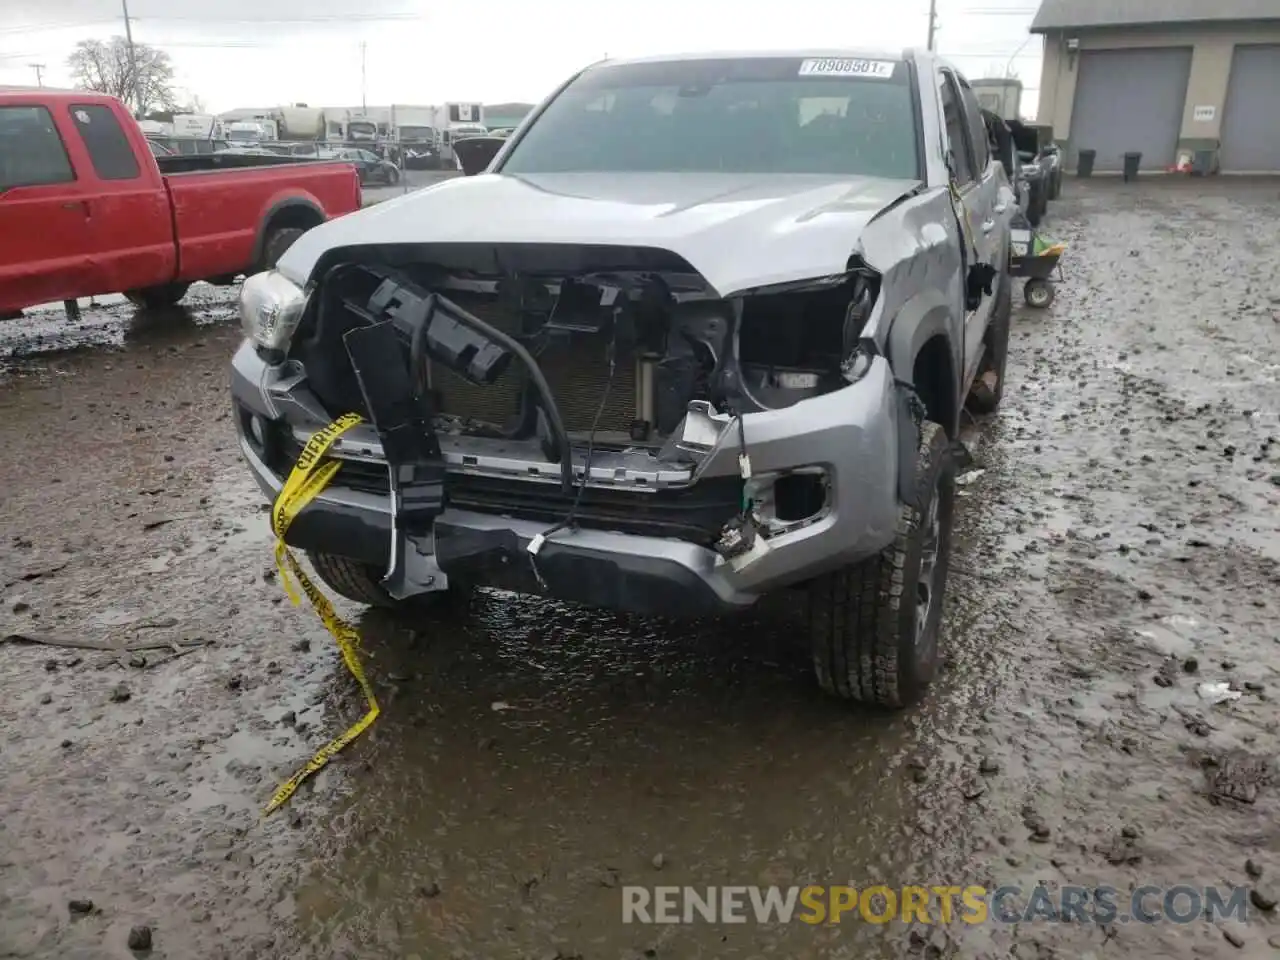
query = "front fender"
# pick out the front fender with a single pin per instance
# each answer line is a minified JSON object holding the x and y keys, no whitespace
{"x":925,"y":315}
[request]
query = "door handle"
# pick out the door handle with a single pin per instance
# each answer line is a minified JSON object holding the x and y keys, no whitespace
{"x":988,"y":226}
{"x":82,"y":205}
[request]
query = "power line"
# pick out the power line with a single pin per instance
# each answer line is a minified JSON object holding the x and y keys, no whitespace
{"x":65,"y":25}
{"x":327,"y":18}
{"x":988,"y":55}
{"x":335,"y":18}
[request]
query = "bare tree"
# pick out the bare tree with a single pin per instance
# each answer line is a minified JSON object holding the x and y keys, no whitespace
{"x":104,"y":66}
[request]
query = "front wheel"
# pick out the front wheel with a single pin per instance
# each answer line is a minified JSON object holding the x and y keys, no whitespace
{"x":874,"y":627}
{"x":277,"y":243}
{"x":363,"y":584}
{"x":1038,"y":293}
{"x":157,"y":298}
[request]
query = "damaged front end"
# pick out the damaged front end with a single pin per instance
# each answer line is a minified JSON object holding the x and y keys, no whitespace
{"x":529,"y":406}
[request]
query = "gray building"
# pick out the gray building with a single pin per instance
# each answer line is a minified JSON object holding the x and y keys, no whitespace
{"x":1165,"y":78}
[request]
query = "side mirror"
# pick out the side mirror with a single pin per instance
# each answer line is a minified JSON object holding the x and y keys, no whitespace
{"x":476,"y":153}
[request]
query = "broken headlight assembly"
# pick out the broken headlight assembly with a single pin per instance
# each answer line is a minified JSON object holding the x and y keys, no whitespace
{"x":801,"y":340}
{"x":271,"y":305}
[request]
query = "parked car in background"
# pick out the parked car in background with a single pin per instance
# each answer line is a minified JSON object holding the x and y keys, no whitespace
{"x":702,"y":333}
{"x":159,"y":149}
{"x":421,"y":155}
{"x":461,"y":131}
{"x":87,"y":208}
{"x":371,"y":167}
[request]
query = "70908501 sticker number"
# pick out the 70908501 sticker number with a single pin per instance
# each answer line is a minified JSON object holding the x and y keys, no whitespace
{"x":842,"y":67}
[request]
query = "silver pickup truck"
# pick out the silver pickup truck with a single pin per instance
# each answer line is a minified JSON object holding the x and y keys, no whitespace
{"x":701,"y":330}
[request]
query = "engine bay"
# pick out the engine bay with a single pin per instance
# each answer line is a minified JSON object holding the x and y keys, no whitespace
{"x":617,"y":356}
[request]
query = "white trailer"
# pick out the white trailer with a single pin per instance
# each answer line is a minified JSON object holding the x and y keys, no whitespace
{"x":1000,"y":95}
{"x":197,"y":126}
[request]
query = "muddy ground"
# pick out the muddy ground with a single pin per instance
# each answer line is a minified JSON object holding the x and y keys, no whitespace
{"x":1120,"y":548}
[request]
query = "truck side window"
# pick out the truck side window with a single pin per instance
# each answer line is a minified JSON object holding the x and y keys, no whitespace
{"x":978,"y":137}
{"x":957,"y":129}
{"x":31,"y":152}
{"x":109,"y":149}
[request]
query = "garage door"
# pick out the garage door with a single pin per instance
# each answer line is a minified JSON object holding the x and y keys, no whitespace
{"x":1251,"y":118}
{"x":1130,"y":100}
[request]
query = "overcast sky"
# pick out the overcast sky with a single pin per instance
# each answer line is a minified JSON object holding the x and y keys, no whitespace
{"x":266,"y":52}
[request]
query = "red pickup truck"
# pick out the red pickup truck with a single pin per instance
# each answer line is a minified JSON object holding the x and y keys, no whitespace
{"x":87,"y":209}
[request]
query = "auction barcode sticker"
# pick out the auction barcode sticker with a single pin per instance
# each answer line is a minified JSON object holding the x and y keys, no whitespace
{"x":840,"y":67}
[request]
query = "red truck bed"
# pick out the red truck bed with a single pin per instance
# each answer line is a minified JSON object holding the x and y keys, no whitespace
{"x":85,"y":210}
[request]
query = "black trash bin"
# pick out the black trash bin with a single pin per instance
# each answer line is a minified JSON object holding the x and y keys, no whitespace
{"x":1084,"y":166}
{"x":1131,"y":164}
{"x":1202,"y":165}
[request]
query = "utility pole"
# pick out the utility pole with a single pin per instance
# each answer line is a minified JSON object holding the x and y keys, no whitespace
{"x":364,"y":105}
{"x":38,"y":68}
{"x":933,"y":20}
{"x":133,"y":60}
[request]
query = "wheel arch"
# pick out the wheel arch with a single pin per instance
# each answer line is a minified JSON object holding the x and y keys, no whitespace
{"x":921,"y":348}
{"x":291,"y":212}
{"x":924,"y":361}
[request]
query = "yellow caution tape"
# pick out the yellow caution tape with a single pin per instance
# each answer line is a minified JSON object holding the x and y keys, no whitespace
{"x":310,"y":475}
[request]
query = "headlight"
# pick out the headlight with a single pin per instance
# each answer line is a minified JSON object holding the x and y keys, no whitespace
{"x":270,"y":307}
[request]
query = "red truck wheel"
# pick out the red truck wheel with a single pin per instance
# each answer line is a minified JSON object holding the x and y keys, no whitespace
{"x":157,"y":298}
{"x":279,"y":241}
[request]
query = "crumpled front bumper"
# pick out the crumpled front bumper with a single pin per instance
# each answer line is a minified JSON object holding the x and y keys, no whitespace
{"x":851,"y":434}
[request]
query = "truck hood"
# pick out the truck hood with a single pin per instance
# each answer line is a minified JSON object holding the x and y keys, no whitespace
{"x":738,"y":230}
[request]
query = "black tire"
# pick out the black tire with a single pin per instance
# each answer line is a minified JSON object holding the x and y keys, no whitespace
{"x":1055,"y":186}
{"x":280,"y":240}
{"x":1038,"y":294}
{"x":361,"y":583}
{"x":983,"y":397}
{"x":157,"y":298}
{"x":863,"y":628}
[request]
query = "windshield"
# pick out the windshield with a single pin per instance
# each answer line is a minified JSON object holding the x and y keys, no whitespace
{"x":753,"y":115}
